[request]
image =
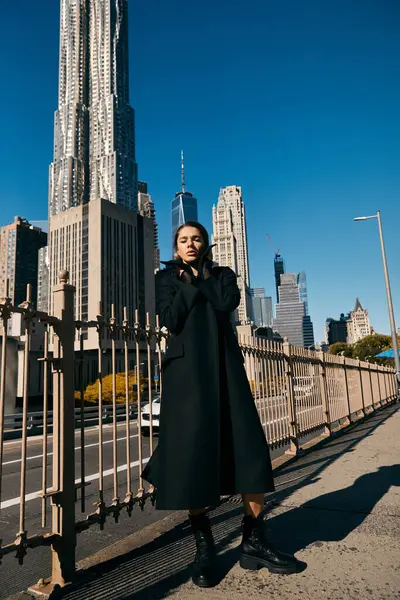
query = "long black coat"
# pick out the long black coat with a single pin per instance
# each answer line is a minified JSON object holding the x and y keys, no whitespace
{"x":211,"y":441}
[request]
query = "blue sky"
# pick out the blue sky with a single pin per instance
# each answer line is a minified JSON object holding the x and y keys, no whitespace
{"x":297,"y":102}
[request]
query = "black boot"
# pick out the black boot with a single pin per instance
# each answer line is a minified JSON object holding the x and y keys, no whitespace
{"x":257,"y":552}
{"x":204,"y":565}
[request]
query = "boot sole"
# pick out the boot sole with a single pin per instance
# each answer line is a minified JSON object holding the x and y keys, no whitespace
{"x":254,"y":564}
{"x":208,"y":584}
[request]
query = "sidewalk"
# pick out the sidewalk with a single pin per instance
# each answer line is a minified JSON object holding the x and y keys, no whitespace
{"x":337,"y":508}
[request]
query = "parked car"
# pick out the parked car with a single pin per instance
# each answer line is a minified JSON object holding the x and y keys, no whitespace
{"x":156,"y":405}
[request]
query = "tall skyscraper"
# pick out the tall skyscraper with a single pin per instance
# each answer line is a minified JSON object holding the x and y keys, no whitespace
{"x":94,"y":139}
{"x":291,"y":319}
{"x":95,"y":231}
{"x":261,"y":308}
{"x":183,"y":206}
{"x":358,"y":324}
{"x":302,"y":283}
{"x":230,"y":239}
{"x":69,"y":171}
{"x":146,"y":209}
{"x":279,"y":269}
{"x":20,"y":243}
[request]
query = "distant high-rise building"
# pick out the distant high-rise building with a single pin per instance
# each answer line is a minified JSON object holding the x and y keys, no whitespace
{"x":146,"y":209}
{"x":183,"y":206}
{"x":336,"y":330}
{"x":302,"y":283}
{"x":261,"y":308}
{"x":43,"y":280}
{"x":94,"y":136}
{"x":291,"y":320}
{"x":358,"y":324}
{"x":109,"y":253}
{"x":230,"y":239}
{"x":20,"y":243}
{"x":279,"y":269}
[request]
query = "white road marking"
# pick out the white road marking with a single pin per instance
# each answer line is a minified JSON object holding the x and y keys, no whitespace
{"x":17,"y":460}
{"x":39,"y":438}
{"x":93,"y":477}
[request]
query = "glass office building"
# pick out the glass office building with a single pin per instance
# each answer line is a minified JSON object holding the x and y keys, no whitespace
{"x":183,"y":209}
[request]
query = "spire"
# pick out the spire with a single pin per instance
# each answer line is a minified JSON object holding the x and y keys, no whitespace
{"x":358,"y":305}
{"x":183,"y":172}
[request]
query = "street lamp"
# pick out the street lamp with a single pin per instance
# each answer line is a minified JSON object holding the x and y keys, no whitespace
{"x":388,"y":294}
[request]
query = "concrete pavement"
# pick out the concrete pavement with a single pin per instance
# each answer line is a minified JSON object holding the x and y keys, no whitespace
{"x":337,"y":508}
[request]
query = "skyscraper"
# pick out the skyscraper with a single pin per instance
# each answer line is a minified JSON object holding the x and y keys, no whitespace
{"x":113,"y":168}
{"x":146,"y":209}
{"x":291,"y":319}
{"x":20,"y":243}
{"x":95,"y":231}
{"x":279,"y":269}
{"x":261,"y":308}
{"x":230,"y":239}
{"x":183,"y":206}
{"x":94,"y":138}
{"x":302,"y":283}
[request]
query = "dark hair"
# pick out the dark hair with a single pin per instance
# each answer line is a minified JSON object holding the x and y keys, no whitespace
{"x":195,"y":225}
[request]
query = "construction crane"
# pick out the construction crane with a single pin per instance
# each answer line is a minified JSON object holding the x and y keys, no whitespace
{"x":275,"y":250}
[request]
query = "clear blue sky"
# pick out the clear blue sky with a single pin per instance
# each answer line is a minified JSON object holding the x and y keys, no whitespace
{"x":297,"y":102}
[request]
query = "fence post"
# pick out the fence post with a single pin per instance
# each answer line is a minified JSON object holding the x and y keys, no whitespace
{"x":361,"y":388}
{"x":324,"y":395}
{"x":347,"y":392}
{"x":63,"y":496}
{"x":293,"y":429}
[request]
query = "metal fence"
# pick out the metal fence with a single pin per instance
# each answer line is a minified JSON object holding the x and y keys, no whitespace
{"x":297,"y":393}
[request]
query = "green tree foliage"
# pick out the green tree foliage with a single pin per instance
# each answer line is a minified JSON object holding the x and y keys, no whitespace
{"x":365,"y":349}
{"x":341,"y":348}
{"x":370,"y":346}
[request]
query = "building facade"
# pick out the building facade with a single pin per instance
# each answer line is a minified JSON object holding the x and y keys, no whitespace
{"x":43,"y":280}
{"x":279,"y":269}
{"x":108,"y":252}
{"x":336,"y":330}
{"x":358,"y":324}
{"x":262,"y":314}
{"x":230,"y":239}
{"x":146,"y":209}
{"x":302,"y":283}
{"x":94,"y":136}
{"x":291,"y":320}
{"x":20,"y":243}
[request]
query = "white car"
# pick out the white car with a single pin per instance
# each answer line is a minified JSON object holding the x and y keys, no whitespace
{"x":146,"y":416}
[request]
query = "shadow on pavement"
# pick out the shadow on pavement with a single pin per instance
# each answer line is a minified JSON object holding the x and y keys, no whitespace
{"x":154,"y":570}
{"x":333,"y":516}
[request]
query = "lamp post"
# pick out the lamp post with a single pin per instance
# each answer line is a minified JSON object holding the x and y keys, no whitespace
{"x":388,"y":295}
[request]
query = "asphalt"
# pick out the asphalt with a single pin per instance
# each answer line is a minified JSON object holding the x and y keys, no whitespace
{"x":337,"y":507}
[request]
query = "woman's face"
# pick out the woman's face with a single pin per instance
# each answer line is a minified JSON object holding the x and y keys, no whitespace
{"x":189,"y":244}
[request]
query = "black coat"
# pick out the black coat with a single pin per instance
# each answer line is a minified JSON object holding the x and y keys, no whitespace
{"x":211,"y":441}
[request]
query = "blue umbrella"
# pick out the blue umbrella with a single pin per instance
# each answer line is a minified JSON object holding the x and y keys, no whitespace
{"x":387,"y":354}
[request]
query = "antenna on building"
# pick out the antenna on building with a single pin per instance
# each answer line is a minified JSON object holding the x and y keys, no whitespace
{"x":183,"y":171}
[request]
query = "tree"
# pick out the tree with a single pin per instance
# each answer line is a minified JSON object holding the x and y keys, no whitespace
{"x":370,"y":346}
{"x":91,"y":394}
{"x":341,"y":348}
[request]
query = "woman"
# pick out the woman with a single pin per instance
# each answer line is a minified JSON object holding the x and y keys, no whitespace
{"x":211,"y":441}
